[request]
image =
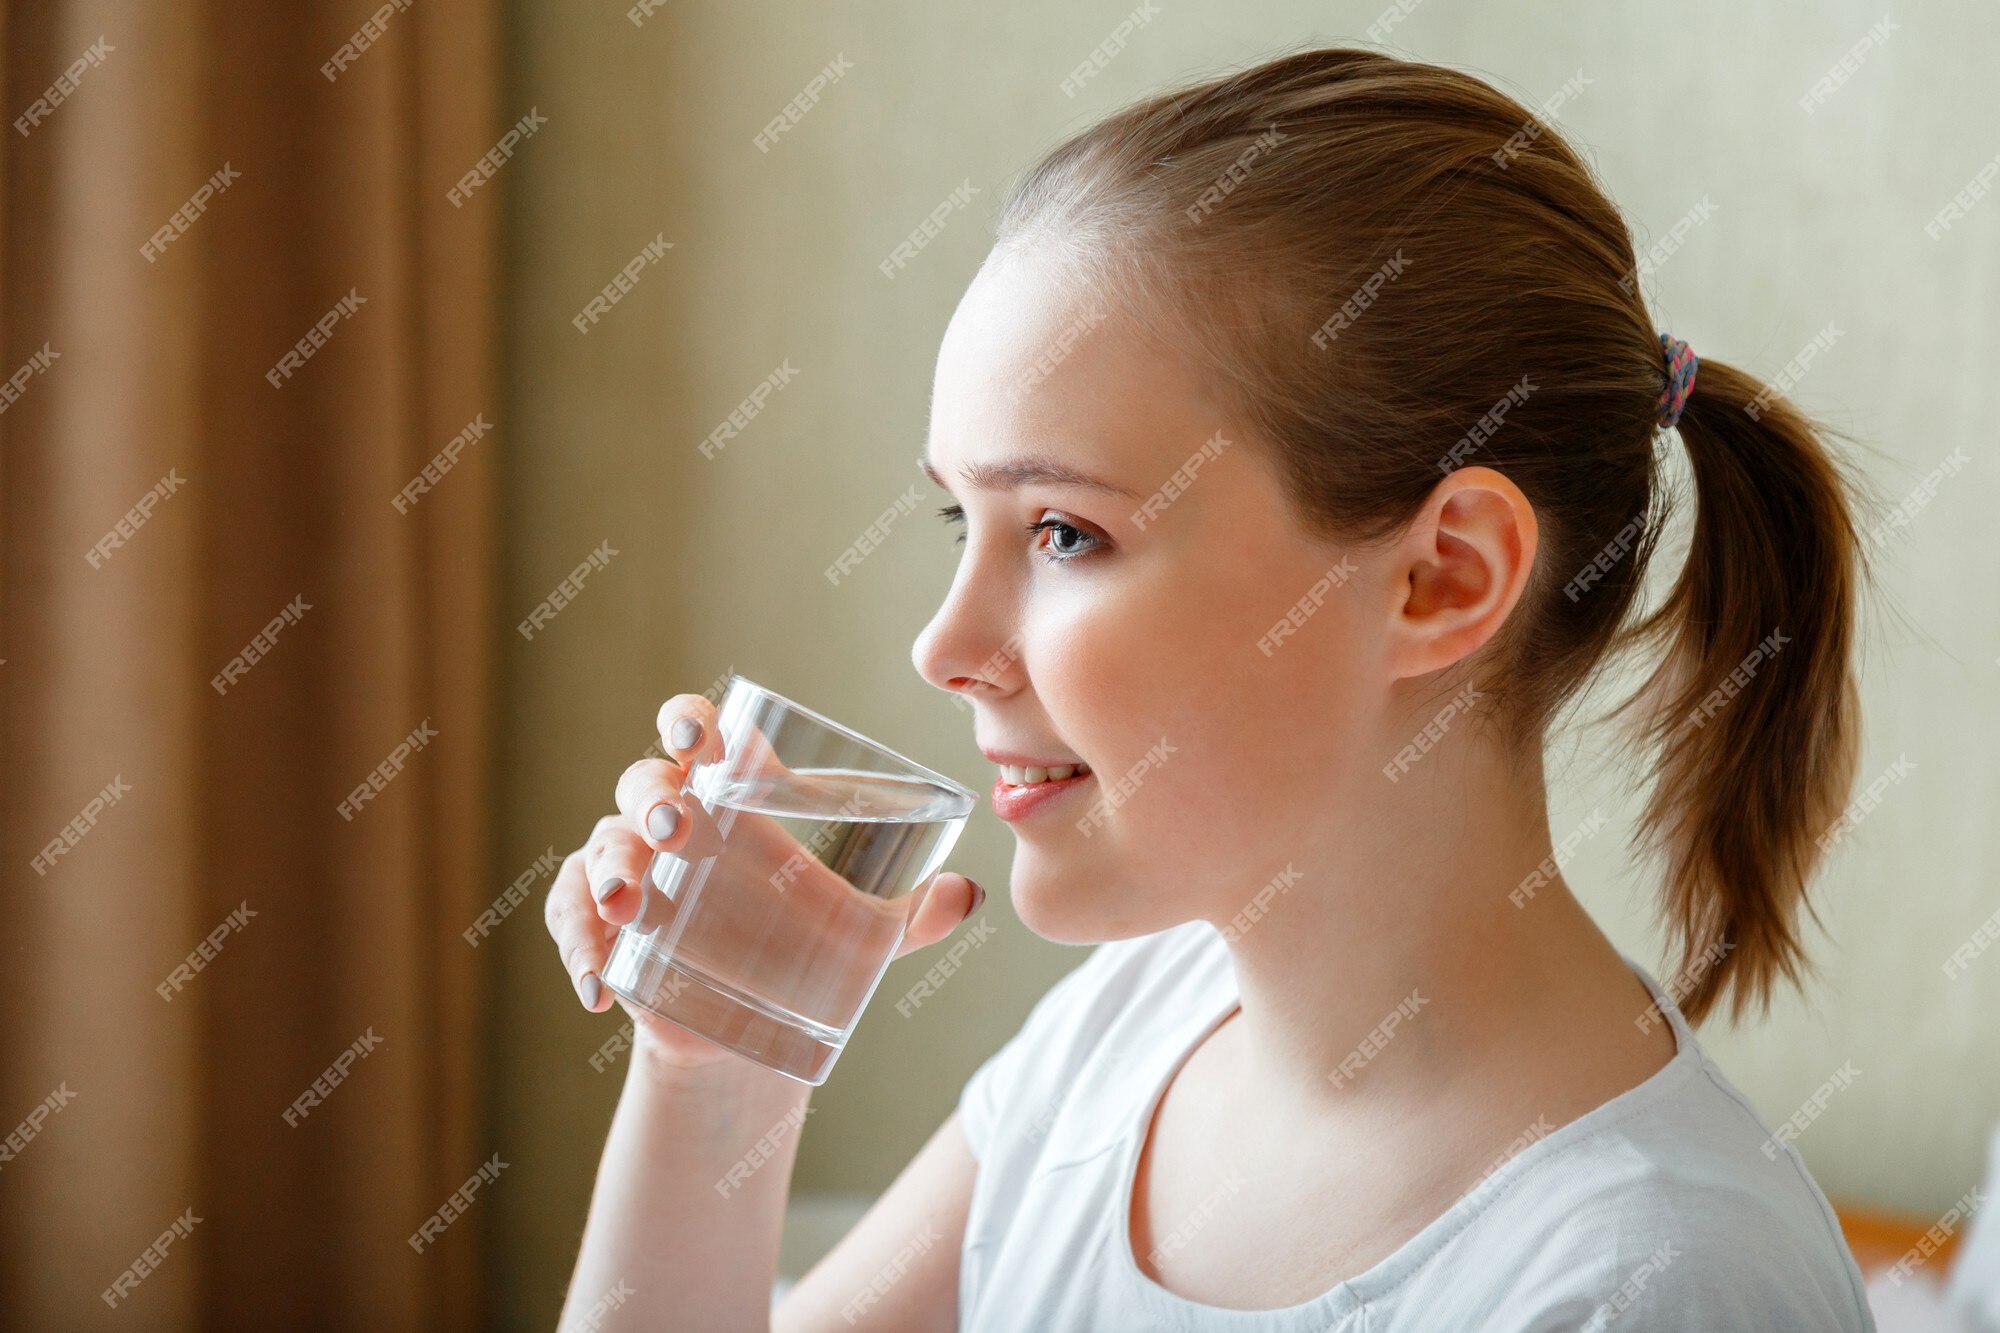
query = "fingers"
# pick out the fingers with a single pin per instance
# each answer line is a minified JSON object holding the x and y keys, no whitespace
{"x":614,"y":868}
{"x":947,"y":901}
{"x":688,"y":731}
{"x":650,"y":799}
{"x":649,"y":792}
{"x":583,"y":938}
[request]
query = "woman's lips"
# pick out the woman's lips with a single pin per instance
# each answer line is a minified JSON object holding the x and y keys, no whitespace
{"x":1012,"y":802}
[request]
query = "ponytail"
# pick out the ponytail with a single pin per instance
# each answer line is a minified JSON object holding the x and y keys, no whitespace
{"x":1752,"y":712}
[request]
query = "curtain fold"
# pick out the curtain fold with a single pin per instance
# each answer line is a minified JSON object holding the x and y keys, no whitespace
{"x":246,"y":649}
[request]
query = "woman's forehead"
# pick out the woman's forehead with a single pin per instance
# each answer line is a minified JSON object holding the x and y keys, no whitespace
{"x":1037,"y":365}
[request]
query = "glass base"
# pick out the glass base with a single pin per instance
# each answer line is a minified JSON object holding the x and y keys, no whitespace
{"x":714,"y":1013}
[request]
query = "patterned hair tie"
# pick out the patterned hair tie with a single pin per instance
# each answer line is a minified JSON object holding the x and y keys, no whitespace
{"x":1681,"y":366}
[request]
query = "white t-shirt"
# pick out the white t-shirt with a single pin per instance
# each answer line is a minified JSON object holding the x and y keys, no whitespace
{"x":1659,"y":1210}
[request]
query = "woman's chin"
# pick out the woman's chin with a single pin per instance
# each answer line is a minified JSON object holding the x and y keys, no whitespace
{"x":1074,"y":909}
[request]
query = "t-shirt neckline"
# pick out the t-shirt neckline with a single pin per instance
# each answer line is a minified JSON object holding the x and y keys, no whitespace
{"x":1342,"y":1298}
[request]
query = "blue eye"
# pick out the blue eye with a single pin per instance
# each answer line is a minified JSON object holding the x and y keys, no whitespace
{"x":1054,"y":553}
{"x":1062,"y":536}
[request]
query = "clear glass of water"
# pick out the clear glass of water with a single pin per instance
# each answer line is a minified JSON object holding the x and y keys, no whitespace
{"x":770,"y":929}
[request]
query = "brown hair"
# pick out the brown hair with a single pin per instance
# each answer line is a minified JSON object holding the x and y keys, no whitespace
{"x":1392,"y":269}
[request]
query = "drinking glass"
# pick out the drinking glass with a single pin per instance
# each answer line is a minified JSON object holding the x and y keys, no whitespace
{"x":770,"y":929}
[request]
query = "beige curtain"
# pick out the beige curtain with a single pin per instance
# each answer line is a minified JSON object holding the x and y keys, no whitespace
{"x":175,"y":498}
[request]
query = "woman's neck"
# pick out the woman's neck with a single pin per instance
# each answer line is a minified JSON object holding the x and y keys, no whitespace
{"x":1430,"y":947}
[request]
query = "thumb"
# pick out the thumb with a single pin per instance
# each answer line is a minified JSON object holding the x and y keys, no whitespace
{"x":946,"y":902}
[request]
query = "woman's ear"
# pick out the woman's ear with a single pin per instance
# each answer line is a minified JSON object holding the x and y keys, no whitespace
{"x":1459,"y":570}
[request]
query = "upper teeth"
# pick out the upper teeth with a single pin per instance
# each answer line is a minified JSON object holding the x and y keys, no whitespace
{"x":1016,"y":775}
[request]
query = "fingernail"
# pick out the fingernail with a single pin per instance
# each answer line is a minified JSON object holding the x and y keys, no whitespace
{"x":978,"y":898}
{"x":588,"y":988}
{"x":685,"y":734}
{"x":609,"y":885}
{"x":662,"y":820}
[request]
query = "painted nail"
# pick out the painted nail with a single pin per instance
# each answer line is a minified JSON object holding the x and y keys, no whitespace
{"x":685,"y":733}
{"x":978,"y":898}
{"x":607,"y":886}
{"x":588,"y":988}
{"x":662,"y":821}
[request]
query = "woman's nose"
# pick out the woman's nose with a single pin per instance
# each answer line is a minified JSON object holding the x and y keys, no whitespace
{"x":968,"y":647}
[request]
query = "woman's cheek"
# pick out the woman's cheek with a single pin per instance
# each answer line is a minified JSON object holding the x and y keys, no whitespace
{"x":1134,"y":685}
{"x":1100,"y":662}
{"x":1227,"y":750}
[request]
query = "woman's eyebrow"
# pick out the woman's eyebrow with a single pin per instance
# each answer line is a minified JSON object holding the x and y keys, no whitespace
{"x":1011,"y":472}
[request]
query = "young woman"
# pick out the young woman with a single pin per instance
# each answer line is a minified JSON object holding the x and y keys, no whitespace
{"x":1306,"y":426}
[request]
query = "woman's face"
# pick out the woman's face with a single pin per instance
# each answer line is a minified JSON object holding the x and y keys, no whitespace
{"x":1138,"y":636}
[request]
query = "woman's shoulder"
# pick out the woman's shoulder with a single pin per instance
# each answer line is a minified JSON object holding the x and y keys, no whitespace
{"x":1673,"y":1206}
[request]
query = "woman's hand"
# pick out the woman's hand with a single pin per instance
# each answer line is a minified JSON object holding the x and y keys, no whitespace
{"x":603,"y":885}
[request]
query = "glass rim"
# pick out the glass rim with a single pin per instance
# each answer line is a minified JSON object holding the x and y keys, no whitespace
{"x":923,"y":770}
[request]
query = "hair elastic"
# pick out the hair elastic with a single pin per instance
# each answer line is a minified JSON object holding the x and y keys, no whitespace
{"x":1681,"y":366}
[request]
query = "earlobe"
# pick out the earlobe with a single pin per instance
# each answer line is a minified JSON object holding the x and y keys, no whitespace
{"x":1463,"y":564}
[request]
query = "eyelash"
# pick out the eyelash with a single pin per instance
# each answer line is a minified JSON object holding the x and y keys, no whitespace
{"x":956,"y":514}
